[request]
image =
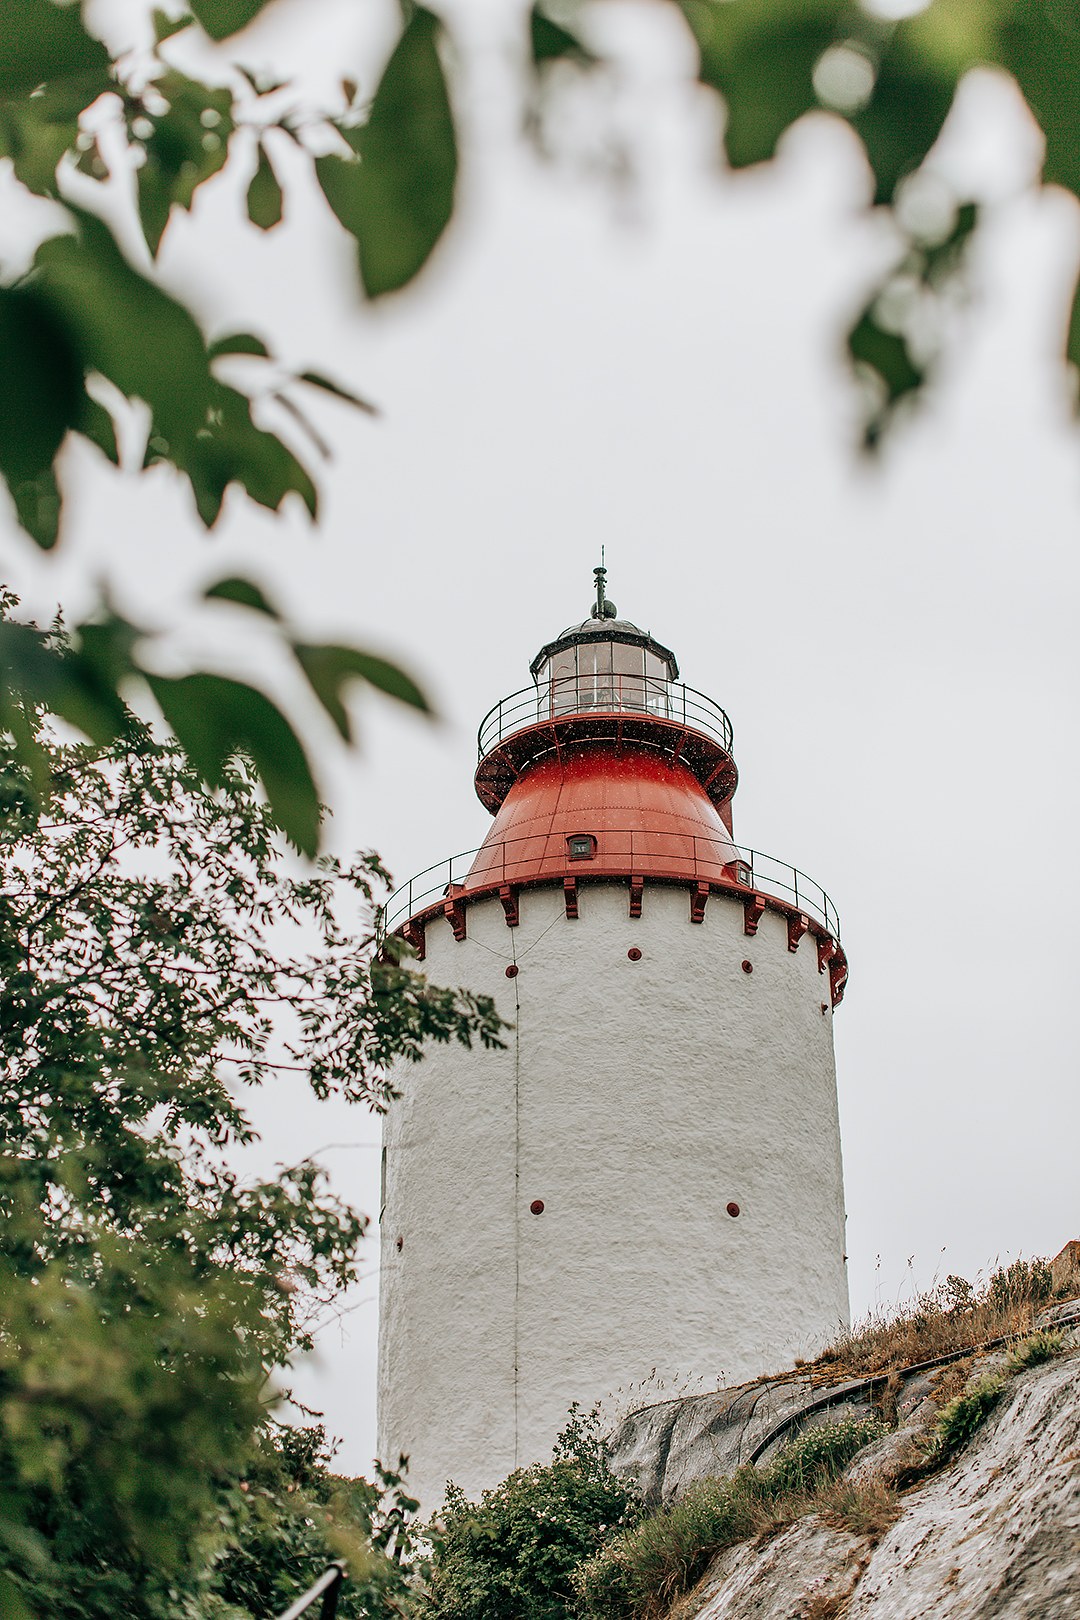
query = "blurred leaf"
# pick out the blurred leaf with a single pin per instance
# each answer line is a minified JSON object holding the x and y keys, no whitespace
{"x":888,"y":351}
{"x":67,"y":685}
{"x":760,"y":55}
{"x":397,"y":194}
{"x":35,"y":141}
{"x":232,"y":449}
{"x":317,"y":380}
{"x":41,"y":394}
{"x":550,"y":42}
{"x":221,"y":18}
{"x":1039,"y":44}
{"x":264,"y":195}
{"x":214,"y":718}
{"x":12,"y":1604}
{"x":242,"y":591}
{"x":165,"y":26}
{"x":330,"y":668}
{"x":95,"y":423}
{"x":238,"y":343}
{"x":37,"y":505}
{"x":189,"y":143}
{"x":40,"y":41}
{"x":910,"y":102}
{"x":155,"y":352}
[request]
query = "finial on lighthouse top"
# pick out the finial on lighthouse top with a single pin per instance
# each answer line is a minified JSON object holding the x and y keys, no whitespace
{"x":603,"y":608}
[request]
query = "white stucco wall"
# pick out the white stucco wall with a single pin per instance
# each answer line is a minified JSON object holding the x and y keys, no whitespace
{"x":636,"y":1099}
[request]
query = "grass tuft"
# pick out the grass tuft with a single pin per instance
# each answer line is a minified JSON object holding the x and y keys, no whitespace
{"x":958,"y":1421}
{"x":1034,"y":1350}
{"x":640,"y":1574}
{"x":957,"y":1315}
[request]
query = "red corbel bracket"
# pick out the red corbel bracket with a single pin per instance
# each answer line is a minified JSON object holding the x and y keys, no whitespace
{"x":752,"y":913}
{"x":797,"y":924}
{"x":416,"y":935}
{"x":454,"y":912}
{"x":838,"y":974}
{"x":637,"y":889}
{"x":699,"y":899}
{"x":826,"y":950}
{"x":570,"y":895}
{"x":509,"y":899}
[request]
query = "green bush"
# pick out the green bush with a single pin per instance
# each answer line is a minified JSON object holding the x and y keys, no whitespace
{"x":644,"y":1569}
{"x":510,"y":1556}
{"x":1033,"y":1351}
{"x":958,"y":1421}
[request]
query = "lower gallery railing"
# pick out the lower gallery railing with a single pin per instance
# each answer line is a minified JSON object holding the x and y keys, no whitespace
{"x":767,"y":875}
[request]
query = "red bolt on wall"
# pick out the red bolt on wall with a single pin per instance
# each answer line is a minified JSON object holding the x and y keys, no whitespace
{"x":748,"y":967}
{"x":536,"y":1207}
{"x":634,"y":954}
{"x":512,"y":971}
{"x":733,"y":1210}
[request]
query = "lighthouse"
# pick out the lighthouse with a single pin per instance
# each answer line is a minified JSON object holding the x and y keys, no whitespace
{"x":647,"y":1179}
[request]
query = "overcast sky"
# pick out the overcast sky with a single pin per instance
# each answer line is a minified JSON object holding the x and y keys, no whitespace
{"x":656,"y":366}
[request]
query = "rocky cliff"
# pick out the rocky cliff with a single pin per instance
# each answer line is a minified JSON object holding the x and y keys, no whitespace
{"x":995,"y":1533}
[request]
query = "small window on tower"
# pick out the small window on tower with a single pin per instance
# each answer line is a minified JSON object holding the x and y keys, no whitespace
{"x":582,"y":846}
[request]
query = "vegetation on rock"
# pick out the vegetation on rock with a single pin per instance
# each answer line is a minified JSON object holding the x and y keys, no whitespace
{"x":640,"y":1574}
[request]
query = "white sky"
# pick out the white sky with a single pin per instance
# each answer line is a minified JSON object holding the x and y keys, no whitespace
{"x":657,"y":368}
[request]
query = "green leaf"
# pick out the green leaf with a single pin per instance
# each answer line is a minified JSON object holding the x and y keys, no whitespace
{"x":155,"y":352}
{"x":911,"y":99}
{"x":242,"y":591}
{"x":37,"y":505}
{"x":330,"y":668}
{"x":396,"y":195}
{"x":214,"y":719}
{"x":40,"y":41}
{"x":94,"y":423}
{"x":41,"y":394}
{"x":189,"y":143}
{"x":760,"y":55}
{"x":221,"y":18}
{"x":264,"y":195}
{"x":549,"y":41}
{"x":165,"y":26}
{"x":232,"y":449}
{"x":887,"y":355}
{"x":1040,"y":46}
{"x":317,"y":380}
{"x":238,"y":343}
{"x":67,"y":684}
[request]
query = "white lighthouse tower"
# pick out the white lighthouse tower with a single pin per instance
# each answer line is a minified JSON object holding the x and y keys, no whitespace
{"x":648,"y":1178}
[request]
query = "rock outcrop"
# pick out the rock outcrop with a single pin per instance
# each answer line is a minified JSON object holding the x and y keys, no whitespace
{"x":995,"y":1535}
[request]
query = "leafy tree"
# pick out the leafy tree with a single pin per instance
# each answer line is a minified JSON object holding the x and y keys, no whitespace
{"x":387,"y":166}
{"x":510,"y":1557}
{"x":157,"y":954}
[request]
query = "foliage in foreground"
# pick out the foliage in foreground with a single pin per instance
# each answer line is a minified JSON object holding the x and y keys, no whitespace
{"x":86,"y":333}
{"x":511,"y":1556}
{"x":639,"y":1574}
{"x":156,"y":955}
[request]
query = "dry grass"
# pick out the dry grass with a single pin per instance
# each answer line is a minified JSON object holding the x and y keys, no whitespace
{"x":865,"y":1510}
{"x":954,"y":1316}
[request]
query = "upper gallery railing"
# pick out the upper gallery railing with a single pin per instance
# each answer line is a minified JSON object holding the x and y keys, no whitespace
{"x":767,"y":875}
{"x":604,"y":693}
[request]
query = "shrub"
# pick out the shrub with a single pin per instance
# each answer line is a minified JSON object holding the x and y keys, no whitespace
{"x":1033,"y":1351}
{"x":641,"y":1573}
{"x":958,"y":1421}
{"x":510,"y":1557}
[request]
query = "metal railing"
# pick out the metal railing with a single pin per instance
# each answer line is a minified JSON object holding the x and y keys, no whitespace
{"x":328,"y":1587}
{"x":767,"y":875}
{"x":644,"y":696}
